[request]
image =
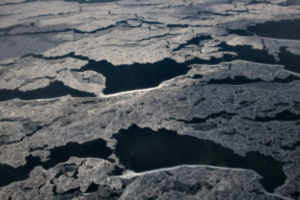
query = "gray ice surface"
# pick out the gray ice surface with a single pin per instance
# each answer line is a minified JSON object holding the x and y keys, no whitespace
{"x":35,"y":41}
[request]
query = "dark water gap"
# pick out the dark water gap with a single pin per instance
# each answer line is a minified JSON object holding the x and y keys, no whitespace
{"x":122,"y":23}
{"x":92,"y":188}
{"x":195,"y":41}
{"x":196,"y":120}
{"x":285,"y":29}
{"x":68,"y":168}
{"x":239,"y":32}
{"x":240,"y":80}
{"x":67,"y":195}
{"x":290,"y":3}
{"x":258,"y":2}
{"x":289,"y":60}
{"x":285,"y":115}
{"x":197,"y":76}
{"x":69,"y":55}
{"x":67,"y":30}
{"x":214,"y":13}
{"x":178,"y":25}
{"x":53,"y":90}
{"x":142,"y":149}
{"x":140,"y":76}
{"x":136,"y":76}
{"x":95,"y":149}
{"x":122,"y":78}
{"x":248,"y":53}
{"x":292,"y":148}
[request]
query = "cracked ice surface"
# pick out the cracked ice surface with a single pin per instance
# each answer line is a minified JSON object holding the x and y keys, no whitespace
{"x":242,"y":101}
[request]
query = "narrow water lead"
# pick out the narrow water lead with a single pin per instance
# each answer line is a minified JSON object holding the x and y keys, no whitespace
{"x":142,"y":149}
{"x":240,"y":80}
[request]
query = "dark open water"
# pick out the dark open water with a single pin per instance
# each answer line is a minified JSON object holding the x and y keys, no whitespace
{"x":142,"y":149}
